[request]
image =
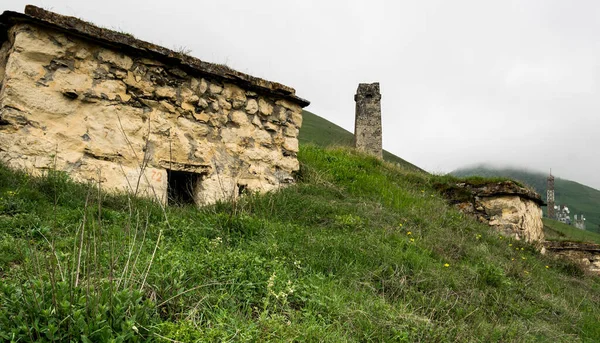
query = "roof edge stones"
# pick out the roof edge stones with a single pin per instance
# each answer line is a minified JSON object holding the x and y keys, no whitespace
{"x":127,"y":43}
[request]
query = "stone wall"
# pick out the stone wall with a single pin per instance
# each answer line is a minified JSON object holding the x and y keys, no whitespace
{"x":510,"y":209}
{"x":587,"y":254}
{"x":367,"y":124}
{"x":103,"y":105}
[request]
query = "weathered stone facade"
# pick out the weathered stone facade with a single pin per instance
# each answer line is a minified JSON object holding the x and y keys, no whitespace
{"x":104,"y":105}
{"x":367,"y":124}
{"x":510,"y":209}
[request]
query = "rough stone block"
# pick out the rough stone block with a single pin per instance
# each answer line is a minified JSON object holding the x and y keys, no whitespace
{"x":264,"y":107}
{"x":252,"y":106}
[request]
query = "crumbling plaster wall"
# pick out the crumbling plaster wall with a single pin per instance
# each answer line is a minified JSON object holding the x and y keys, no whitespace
{"x":71,"y":104}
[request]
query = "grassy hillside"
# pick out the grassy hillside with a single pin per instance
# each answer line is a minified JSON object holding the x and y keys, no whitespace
{"x":322,"y":132}
{"x":359,"y":250}
{"x":580,"y":199}
{"x":557,"y":231}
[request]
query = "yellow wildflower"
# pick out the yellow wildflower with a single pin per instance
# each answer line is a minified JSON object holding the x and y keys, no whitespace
{"x":446,"y":265}
{"x":409,"y":233}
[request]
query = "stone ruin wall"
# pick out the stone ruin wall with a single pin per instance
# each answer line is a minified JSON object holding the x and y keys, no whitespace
{"x":515,"y":216}
{"x":98,"y":113}
{"x":510,"y":209}
{"x":516,"y":212}
{"x":367,"y":122}
{"x":586,"y":254}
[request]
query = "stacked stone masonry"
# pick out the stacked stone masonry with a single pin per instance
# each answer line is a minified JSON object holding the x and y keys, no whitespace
{"x":516,"y":212}
{"x":367,"y":124}
{"x":587,"y":254}
{"x":507,"y":207}
{"x":134,"y":115}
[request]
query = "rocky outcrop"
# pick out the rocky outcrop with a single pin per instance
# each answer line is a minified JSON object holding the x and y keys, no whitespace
{"x":507,"y":207}
{"x":105,"y":106}
{"x":587,"y":254}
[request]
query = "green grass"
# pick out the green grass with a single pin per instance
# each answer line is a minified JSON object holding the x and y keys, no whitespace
{"x":580,"y":199}
{"x":320,"y":131}
{"x":359,"y":250}
{"x":557,"y":231}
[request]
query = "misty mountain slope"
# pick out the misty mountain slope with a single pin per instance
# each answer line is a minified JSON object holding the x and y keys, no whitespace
{"x":322,"y":132}
{"x":580,"y":199}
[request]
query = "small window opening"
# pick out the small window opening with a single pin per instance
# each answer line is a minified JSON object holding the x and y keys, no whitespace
{"x":242,"y":189}
{"x":181,"y":187}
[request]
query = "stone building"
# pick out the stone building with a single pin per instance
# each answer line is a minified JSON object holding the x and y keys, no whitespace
{"x":579,"y":222}
{"x":367,"y":123}
{"x":562,"y":214}
{"x":510,"y":209}
{"x":102,"y":105}
{"x":585,"y":254}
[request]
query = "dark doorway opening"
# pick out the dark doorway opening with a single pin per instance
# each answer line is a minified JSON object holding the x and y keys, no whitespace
{"x":242,"y":189}
{"x":181,"y":188}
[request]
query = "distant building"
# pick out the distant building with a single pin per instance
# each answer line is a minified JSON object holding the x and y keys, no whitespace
{"x":579,"y":222}
{"x":562,"y":214}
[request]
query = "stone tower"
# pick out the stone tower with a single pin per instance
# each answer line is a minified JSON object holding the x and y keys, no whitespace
{"x":367,"y":124}
{"x":550,"y":197}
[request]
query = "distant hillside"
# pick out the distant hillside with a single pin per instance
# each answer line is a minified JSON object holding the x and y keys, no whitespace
{"x":322,"y":132}
{"x":557,"y":231}
{"x":579,"y":198}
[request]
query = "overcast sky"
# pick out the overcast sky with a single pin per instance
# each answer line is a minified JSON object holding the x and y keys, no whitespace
{"x":463,"y":82}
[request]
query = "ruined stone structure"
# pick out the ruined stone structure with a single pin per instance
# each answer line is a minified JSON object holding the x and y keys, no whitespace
{"x":516,"y":212}
{"x":102,"y":105}
{"x":513,"y":210}
{"x":587,"y":254}
{"x":367,"y":124}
